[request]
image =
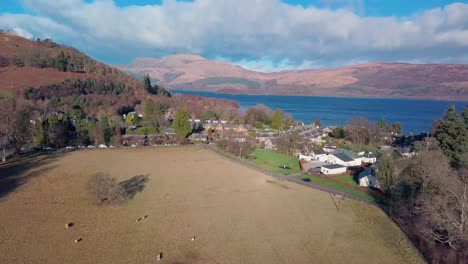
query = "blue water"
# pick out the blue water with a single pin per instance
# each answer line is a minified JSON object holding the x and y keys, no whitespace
{"x":415,"y":115}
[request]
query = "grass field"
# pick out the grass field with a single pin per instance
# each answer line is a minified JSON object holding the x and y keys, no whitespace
{"x":329,"y":183}
{"x":349,"y":179}
{"x":237,"y":215}
{"x":273,"y":161}
{"x":4,"y":94}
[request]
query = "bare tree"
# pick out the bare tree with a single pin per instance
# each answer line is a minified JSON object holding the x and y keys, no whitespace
{"x":7,"y":120}
{"x":105,"y":188}
{"x":429,"y":164}
{"x":361,"y":131}
{"x":447,"y":209}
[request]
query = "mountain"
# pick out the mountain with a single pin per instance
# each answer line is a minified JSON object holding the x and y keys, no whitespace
{"x":377,"y":79}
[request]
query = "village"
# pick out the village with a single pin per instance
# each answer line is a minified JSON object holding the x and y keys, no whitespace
{"x":316,"y":150}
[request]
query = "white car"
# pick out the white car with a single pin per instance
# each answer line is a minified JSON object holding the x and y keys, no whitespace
{"x":69,"y":147}
{"x":102,"y":146}
{"x":133,"y":146}
{"x":91,"y":146}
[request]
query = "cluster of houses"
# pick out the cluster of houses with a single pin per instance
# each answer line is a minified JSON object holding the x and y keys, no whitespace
{"x":333,"y":161}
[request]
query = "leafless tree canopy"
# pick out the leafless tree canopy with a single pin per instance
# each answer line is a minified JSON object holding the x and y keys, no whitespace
{"x":105,"y":189}
{"x":361,"y":131}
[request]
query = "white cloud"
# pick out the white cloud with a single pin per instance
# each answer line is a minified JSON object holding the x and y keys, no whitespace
{"x":245,"y":31}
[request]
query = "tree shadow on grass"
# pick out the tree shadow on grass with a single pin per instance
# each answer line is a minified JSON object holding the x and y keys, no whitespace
{"x":19,"y":171}
{"x":134,"y":185}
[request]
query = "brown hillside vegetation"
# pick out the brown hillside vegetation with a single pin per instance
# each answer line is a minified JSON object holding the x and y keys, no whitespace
{"x":25,"y":63}
{"x":378,"y":79}
{"x":237,"y":215}
{"x":39,"y":69}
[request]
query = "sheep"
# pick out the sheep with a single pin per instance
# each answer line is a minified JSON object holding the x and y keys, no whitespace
{"x":78,"y":240}
{"x":68,"y":225}
{"x":159,"y":256}
{"x":193,"y":238}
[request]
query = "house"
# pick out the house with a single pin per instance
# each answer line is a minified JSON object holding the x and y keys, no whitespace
{"x":333,"y":169}
{"x":368,"y":157}
{"x":326,"y":131}
{"x":329,"y":149}
{"x":320,"y":154}
{"x":367,"y":178}
{"x":219,"y":127}
{"x":241,"y":129}
{"x":271,"y":143}
{"x":208,"y":126}
{"x":199,"y":137}
{"x":406,"y":152}
{"x":344,"y":158}
{"x":305,"y":157}
{"x":261,"y":137}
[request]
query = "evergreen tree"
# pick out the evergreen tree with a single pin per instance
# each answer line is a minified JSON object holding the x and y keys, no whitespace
{"x":61,"y":62}
{"x":318,"y":122}
{"x":147,"y":84}
{"x":181,"y":123}
{"x":105,"y":129}
{"x":452,"y":136}
{"x":397,"y":128}
{"x":277,"y":120}
{"x":382,"y":125}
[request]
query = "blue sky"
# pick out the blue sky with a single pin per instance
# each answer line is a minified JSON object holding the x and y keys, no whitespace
{"x":265,"y":35}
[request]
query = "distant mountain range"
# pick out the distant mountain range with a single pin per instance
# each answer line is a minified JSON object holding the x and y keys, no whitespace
{"x":377,"y":79}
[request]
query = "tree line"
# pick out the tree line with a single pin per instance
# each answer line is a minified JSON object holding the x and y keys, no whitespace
{"x":427,"y":194}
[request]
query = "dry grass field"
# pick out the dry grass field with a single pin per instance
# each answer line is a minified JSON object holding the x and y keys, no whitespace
{"x":237,"y":215}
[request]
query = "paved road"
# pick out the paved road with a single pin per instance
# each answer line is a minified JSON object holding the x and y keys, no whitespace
{"x":296,"y":178}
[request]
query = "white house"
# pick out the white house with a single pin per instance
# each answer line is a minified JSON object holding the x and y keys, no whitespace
{"x":344,"y":158}
{"x":367,"y":178}
{"x":306,"y":157}
{"x":332,"y":169}
{"x":368,"y":157}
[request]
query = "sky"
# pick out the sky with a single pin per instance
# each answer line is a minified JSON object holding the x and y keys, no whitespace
{"x":262,"y":35}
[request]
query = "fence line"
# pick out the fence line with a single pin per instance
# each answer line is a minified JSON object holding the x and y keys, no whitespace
{"x":291,"y":178}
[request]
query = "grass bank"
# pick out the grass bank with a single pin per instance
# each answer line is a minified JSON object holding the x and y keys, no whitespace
{"x":274,"y":162}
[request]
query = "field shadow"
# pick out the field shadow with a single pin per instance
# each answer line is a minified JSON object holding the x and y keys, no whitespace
{"x":134,"y":185}
{"x":19,"y":171}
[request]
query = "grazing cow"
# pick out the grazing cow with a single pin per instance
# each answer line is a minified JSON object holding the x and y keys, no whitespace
{"x":144,"y":217}
{"x":68,"y":225}
{"x":78,"y":240}
{"x":159,"y":256}
{"x":138,"y":220}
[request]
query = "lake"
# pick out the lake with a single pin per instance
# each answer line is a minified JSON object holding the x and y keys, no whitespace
{"x":415,"y":115}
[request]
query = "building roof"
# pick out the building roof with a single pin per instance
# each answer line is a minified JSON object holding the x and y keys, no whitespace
{"x":343,"y":156}
{"x":319,"y":152}
{"x":333,"y":166}
{"x":366,"y":173}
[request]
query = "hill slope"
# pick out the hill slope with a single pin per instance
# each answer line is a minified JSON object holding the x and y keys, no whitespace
{"x":25,"y":63}
{"x":378,"y":79}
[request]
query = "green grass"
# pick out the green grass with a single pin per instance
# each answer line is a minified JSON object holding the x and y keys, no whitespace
{"x":332,"y":184}
{"x":349,"y":179}
{"x":272,"y":161}
{"x":6,"y":94}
